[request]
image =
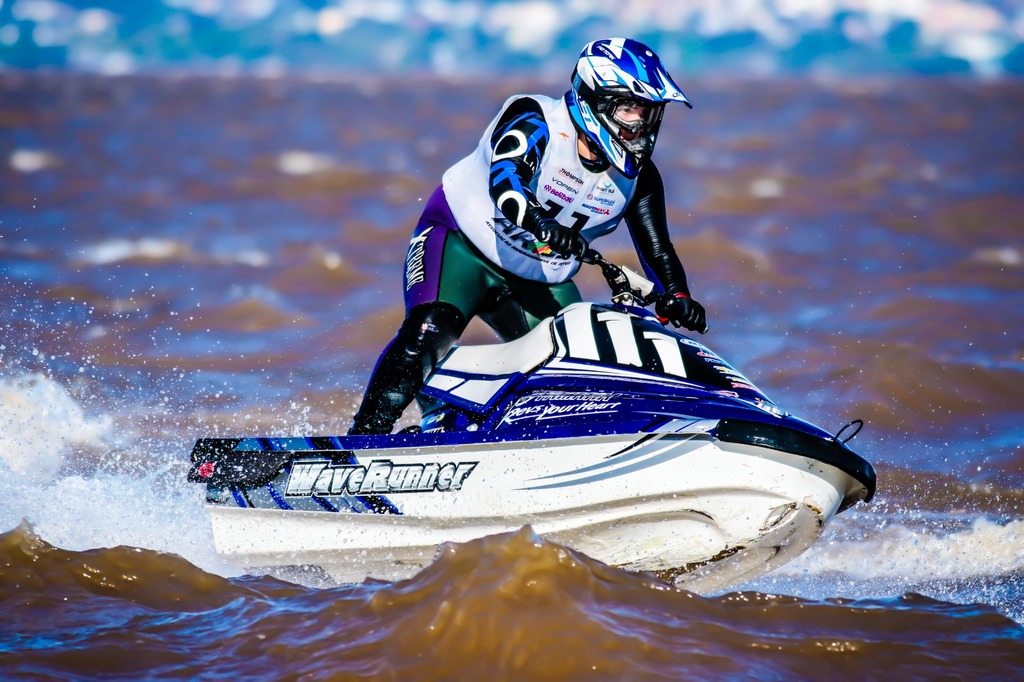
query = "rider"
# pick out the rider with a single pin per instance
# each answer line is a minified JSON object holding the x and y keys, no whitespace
{"x":503,"y":235}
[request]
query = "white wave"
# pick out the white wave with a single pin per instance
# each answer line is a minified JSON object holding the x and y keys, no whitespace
{"x":985,"y":548}
{"x":299,"y":162}
{"x":78,"y":513}
{"x":116,"y":250}
{"x":255,"y":258}
{"x":159,"y":249}
{"x":31,"y":160}
{"x":111,"y":510}
{"x":40,"y":422}
{"x":1002,"y":256}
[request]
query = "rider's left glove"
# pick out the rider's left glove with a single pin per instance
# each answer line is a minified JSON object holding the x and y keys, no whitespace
{"x":681,"y":311}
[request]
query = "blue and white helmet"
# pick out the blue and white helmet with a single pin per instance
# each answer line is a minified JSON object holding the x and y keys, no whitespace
{"x":617,"y":99}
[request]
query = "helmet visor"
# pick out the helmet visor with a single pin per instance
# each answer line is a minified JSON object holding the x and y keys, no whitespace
{"x":634,"y":122}
{"x":634,"y":117}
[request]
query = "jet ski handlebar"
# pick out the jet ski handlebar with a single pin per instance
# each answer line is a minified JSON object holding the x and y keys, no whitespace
{"x":628,"y":287}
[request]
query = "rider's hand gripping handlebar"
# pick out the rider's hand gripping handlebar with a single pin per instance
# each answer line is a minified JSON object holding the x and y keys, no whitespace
{"x":628,"y":287}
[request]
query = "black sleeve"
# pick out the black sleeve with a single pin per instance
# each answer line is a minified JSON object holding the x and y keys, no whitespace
{"x":518,"y":143}
{"x":648,"y":226}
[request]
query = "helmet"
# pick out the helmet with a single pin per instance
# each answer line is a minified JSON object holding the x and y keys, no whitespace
{"x":618,"y":95}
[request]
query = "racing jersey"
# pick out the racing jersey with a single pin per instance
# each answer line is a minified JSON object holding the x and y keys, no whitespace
{"x":592,"y":203}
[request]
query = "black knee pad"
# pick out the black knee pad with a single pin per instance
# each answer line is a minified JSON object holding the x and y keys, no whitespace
{"x":429,"y":331}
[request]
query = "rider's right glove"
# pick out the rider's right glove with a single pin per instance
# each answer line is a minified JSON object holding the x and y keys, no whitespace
{"x":682,"y":311}
{"x":563,"y":240}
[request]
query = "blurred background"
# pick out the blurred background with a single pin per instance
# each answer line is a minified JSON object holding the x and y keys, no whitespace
{"x":205,"y":207}
{"x":205,"y":204}
{"x":459,"y":37}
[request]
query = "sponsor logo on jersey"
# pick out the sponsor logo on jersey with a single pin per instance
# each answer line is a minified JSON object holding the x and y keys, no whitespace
{"x":558,"y":193}
{"x":575,"y":178}
{"x":414,"y":270}
{"x":379,"y":477}
{"x":597,"y":209}
{"x":566,"y":186}
{"x":607,"y":187}
{"x":600,"y":200}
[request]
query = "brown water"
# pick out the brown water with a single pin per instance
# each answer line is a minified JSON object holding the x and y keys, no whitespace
{"x":184,"y":257}
{"x":511,"y":607}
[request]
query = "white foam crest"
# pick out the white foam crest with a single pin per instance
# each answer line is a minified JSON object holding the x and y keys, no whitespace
{"x":1003,"y":256}
{"x":156,"y":248}
{"x":985,"y":548}
{"x":251,"y":257}
{"x":31,"y":160}
{"x":299,"y":162}
{"x":116,"y":250}
{"x":111,"y":510}
{"x":40,"y":421}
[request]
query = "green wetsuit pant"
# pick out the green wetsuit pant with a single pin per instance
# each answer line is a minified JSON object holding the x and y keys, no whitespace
{"x":446,"y":284}
{"x":511,"y":305}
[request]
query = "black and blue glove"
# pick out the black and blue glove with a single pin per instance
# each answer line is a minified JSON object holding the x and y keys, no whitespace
{"x":681,"y":311}
{"x":564,"y":241}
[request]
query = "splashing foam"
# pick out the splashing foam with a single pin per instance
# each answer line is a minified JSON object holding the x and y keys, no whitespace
{"x":985,"y":548}
{"x":40,"y":422}
{"x":41,"y":425}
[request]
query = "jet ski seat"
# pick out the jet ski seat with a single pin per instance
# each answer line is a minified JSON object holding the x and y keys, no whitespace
{"x":502,"y":359}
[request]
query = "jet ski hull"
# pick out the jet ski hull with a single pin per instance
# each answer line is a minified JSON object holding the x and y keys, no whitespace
{"x":600,"y":429}
{"x":702,"y":511}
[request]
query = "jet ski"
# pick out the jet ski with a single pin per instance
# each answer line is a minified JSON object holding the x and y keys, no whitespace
{"x":601,"y":429}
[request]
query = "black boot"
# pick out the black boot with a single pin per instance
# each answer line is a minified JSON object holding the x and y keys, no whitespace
{"x":428,"y":332}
